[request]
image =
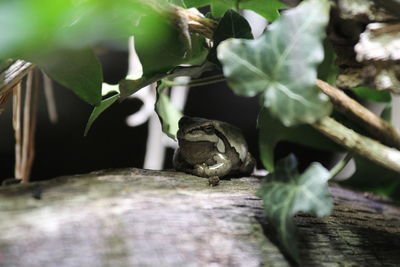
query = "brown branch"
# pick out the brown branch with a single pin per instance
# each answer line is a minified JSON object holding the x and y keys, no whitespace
{"x":17,"y":129}
{"x":50,"y":99}
{"x":13,"y":75}
{"x":366,"y":147}
{"x":26,"y":126}
{"x":370,"y":122}
{"x":196,"y":23}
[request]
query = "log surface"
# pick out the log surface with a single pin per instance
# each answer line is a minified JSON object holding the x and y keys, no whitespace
{"x":135,"y":217}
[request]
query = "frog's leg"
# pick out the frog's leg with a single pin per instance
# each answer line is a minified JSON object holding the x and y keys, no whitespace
{"x":220,"y":168}
{"x":248,"y":164}
{"x":179,"y":162}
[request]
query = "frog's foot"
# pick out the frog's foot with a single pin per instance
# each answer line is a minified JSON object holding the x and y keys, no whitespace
{"x":199,"y":170}
{"x":10,"y":181}
{"x":213,"y":181}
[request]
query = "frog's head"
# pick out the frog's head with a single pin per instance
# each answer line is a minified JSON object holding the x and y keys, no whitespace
{"x":210,"y":136}
{"x":197,"y":129}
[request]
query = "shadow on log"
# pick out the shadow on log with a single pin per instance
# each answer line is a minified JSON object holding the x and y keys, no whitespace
{"x":134,"y":217}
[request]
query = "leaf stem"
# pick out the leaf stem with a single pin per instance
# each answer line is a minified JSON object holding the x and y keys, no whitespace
{"x":340,"y":165}
{"x":197,"y":82}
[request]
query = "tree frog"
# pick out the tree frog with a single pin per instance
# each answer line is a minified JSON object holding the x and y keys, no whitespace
{"x":210,"y":148}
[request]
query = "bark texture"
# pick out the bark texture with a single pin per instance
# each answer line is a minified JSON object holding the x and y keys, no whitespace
{"x":135,"y":217}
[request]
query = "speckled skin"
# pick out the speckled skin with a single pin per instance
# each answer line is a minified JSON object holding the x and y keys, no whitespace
{"x":211,"y":148}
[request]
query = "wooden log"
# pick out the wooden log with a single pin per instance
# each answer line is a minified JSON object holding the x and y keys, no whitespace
{"x":135,"y":217}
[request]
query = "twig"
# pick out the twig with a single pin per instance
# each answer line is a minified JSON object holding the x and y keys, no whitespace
{"x":340,"y":165}
{"x":50,"y":99}
{"x":366,"y":147}
{"x":374,"y":125}
{"x":17,"y":129}
{"x":26,"y":126}
{"x":13,"y":75}
{"x":4,"y":100}
{"x":32,"y":128}
{"x":195,"y":22}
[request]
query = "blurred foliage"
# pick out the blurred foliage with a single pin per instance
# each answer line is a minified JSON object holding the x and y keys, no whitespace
{"x":287,"y":192}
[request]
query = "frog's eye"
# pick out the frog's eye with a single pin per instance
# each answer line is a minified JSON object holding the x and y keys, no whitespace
{"x":209,"y":129}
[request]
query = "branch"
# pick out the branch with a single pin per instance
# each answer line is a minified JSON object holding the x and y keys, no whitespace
{"x":366,"y":147}
{"x":196,"y":22}
{"x":392,"y":6}
{"x":370,"y":122}
{"x":13,"y":75}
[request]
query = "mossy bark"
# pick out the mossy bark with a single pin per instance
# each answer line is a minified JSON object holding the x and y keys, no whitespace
{"x":135,"y":217}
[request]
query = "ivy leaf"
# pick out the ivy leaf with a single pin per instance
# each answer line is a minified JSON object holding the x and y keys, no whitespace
{"x":272,"y":131}
{"x":165,"y":54}
{"x":105,"y":104}
{"x":78,"y":70}
{"x":282,"y":63}
{"x":287,"y":192}
{"x":372,"y":94}
{"x":168,"y":114}
{"x":231,"y":25}
{"x":374,"y":178}
{"x":269,"y":9}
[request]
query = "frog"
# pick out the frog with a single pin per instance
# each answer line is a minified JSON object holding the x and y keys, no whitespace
{"x":211,"y":149}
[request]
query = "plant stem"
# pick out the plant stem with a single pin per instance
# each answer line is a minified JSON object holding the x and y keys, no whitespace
{"x":362,"y":145}
{"x":370,"y":122}
{"x":197,"y":82}
{"x":340,"y":165}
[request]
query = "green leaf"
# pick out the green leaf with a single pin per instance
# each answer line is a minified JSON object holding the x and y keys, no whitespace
{"x":374,"y":178}
{"x":105,"y":104}
{"x":78,"y":70}
{"x":328,"y":70}
{"x":231,"y":25}
{"x":287,"y":192}
{"x":5,"y":63}
{"x":168,"y":114}
{"x":177,"y":2}
{"x":272,"y":131}
{"x":37,"y":26}
{"x":387,"y":112}
{"x":128,"y":87}
{"x":372,"y":94}
{"x":282,"y":64}
{"x":269,"y":9}
{"x":171,"y":53}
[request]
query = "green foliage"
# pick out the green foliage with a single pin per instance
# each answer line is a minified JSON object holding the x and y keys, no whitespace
{"x":105,"y":104}
{"x":282,"y":64}
{"x":231,"y":25}
{"x":374,"y":178}
{"x":272,"y":131}
{"x":328,"y":70}
{"x":267,"y":8}
{"x":79,"y":70}
{"x":287,"y":192}
{"x":37,"y":26}
{"x":55,"y":35}
{"x":168,"y":114}
{"x":372,"y":94}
